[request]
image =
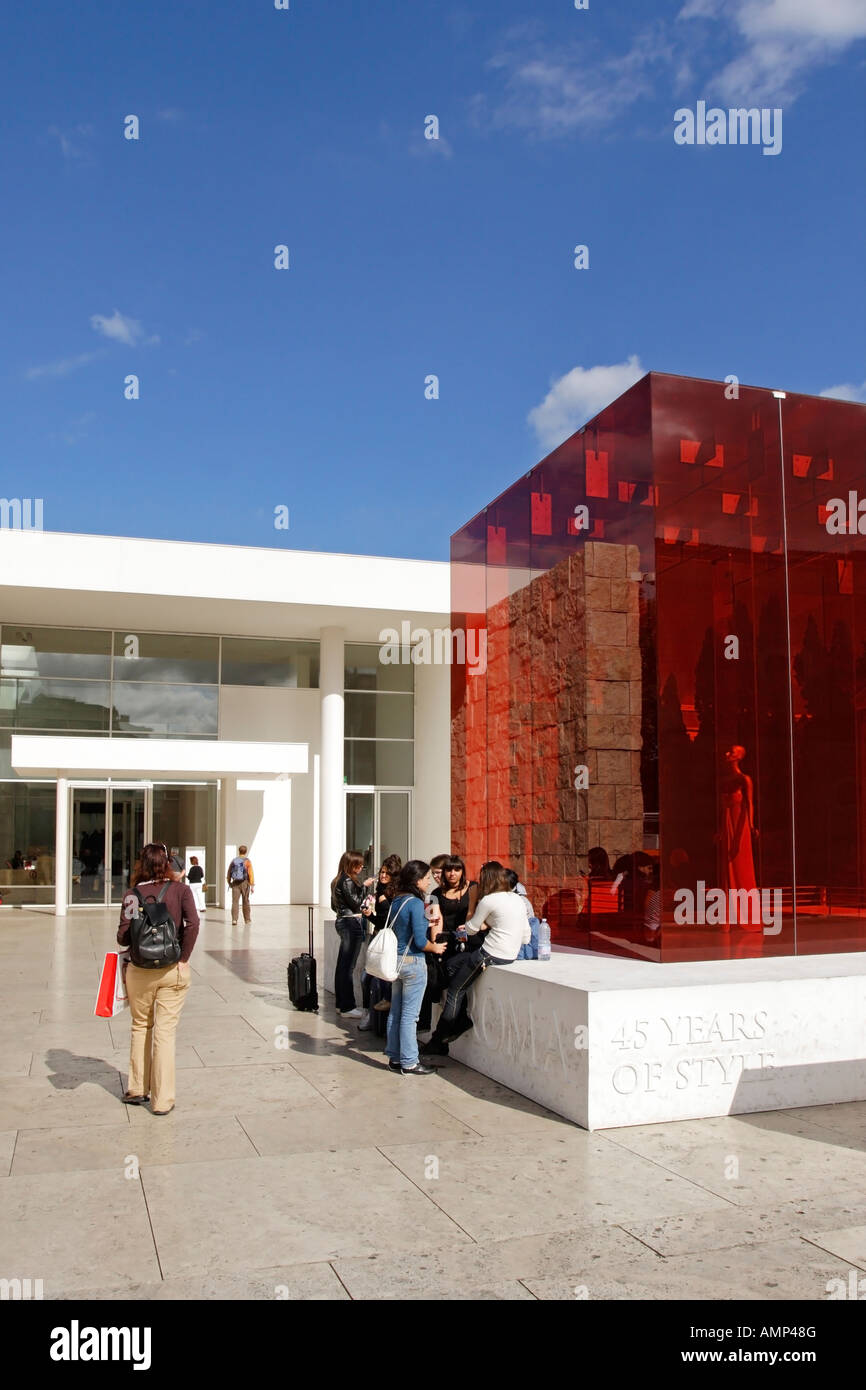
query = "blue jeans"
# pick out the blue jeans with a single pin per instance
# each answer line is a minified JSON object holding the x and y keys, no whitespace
{"x":351,"y":932}
{"x":407,"y":992}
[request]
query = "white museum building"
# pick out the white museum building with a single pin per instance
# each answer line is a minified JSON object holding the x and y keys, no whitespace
{"x":210,"y":696}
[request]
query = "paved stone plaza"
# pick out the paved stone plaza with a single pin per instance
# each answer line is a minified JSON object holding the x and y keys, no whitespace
{"x":309,"y":1171}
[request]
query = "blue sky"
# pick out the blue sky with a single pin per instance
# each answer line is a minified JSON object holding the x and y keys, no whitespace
{"x":408,"y":257}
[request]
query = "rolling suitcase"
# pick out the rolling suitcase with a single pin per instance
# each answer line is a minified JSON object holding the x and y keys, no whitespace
{"x":302,"y":976}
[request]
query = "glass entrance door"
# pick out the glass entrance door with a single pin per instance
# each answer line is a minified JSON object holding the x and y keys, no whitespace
{"x":127,"y":836}
{"x":108,"y":828}
{"x":378,"y":823}
{"x":87,"y":850}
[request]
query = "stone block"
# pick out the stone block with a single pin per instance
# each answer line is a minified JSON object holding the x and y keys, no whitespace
{"x":613,"y":663}
{"x":624,"y":595}
{"x":629,"y":803}
{"x":614,"y":767}
{"x":602,"y":803}
{"x":598,"y":592}
{"x":606,"y":629}
{"x":606,"y":561}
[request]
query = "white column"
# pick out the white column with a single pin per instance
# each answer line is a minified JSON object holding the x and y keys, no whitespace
{"x":332,"y":831}
{"x":61,"y":847}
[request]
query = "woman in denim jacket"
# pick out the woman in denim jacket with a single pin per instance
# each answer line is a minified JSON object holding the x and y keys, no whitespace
{"x":410,"y":925}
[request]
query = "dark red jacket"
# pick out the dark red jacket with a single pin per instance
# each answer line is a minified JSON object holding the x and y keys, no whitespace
{"x":180,"y":903}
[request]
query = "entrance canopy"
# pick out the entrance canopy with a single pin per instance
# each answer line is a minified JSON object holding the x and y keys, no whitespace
{"x":42,"y":755}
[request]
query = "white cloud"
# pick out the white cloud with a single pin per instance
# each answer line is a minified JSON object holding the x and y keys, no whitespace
{"x":61,"y":368}
{"x":72,"y":141}
{"x":119,"y":328}
{"x":578,"y":395}
{"x":846,"y":392}
{"x":780,"y":41}
{"x":569,"y":88}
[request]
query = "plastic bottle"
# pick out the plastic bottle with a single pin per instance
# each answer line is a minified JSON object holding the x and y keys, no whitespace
{"x":544,"y":940}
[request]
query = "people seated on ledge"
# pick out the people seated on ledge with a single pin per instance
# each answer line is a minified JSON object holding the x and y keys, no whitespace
{"x":501,"y":918}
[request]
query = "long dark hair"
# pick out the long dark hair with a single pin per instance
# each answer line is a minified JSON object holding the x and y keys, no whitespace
{"x":151,"y":866}
{"x":409,"y":876}
{"x":492,"y":879}
{"x":453,"y":862}
{"x":350,"y":864}
{"x":393,"y":864}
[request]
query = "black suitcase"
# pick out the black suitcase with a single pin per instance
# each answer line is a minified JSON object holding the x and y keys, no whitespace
{"x":301,"y":974}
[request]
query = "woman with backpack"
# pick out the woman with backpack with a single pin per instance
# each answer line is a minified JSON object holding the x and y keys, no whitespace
{"x":409,"y":922}
{"x":158,"y":920}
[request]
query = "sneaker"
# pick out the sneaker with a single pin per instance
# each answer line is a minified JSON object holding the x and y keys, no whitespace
{"x":365,"y":1025}
{"x":351,"y":1013}
{"x":394,"y":1066}
{"x":418,"y":1070}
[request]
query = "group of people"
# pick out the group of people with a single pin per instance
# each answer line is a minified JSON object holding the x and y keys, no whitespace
{"x":449,"y":929}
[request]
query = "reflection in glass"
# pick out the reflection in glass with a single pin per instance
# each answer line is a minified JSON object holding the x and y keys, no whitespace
{"x":685,"y":643}
{"x":160,"y":711}
{"x":171,"y":657}
{"x":50,"y":651}
{"x":265,"y":661}
{"x":364,"y":670}
{"x":27,"y":825}
{"x":372,"y":715}
{"x":376,"y":762}
{"x":54,"y":704}
{"x":359,"y":828}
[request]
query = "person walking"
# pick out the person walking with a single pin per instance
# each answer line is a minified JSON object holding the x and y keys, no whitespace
{"x":347,"y":897}
{"x":241,"y":880}
{"x":156,"y":997}
{"x":195,"y":879}
{"x":410,"y":924}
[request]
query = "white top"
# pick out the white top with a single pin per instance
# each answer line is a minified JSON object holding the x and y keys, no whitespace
{"x":505,"y":915}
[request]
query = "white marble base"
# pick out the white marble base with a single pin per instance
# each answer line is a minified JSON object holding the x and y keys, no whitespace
{"x":608,"y":1042}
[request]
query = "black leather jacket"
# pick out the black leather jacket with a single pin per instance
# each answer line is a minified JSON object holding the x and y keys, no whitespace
{"x":348,"y":896}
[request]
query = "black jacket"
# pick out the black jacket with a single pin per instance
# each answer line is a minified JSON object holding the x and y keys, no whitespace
{"x":348,"y":896}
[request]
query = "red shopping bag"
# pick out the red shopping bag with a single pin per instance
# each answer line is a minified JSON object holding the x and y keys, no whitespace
{"x":111,"y":998}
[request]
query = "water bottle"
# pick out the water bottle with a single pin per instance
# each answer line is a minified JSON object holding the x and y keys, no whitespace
{"x":544,"y":940}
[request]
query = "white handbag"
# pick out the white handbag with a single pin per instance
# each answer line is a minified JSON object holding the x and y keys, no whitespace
{"x":382,"y":955}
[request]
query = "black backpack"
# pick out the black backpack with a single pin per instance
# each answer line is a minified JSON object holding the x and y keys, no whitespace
{"x":153,"y":938}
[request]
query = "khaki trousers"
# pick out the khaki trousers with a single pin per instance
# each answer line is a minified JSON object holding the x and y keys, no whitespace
{"x":240,"y":891}
{"x":156,"y":998}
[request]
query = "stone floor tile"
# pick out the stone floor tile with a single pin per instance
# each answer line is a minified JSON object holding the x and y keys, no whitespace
{"x":80,"y":1148}
{"x":849,"y":1243}
{"x":295,"y":1209}
{"x":64,"y":1228}
{"x":228,"y":1090}
{"x":545,"y":1182}
{"x":83,"y":1098}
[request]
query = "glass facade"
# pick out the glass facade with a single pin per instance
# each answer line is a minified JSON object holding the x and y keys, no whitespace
{"x":379,"y":711}
{"x":668,"y":737}
{"x":119,"y":684}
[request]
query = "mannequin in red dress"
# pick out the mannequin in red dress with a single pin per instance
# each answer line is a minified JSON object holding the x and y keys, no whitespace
{"x":737,"y":828}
